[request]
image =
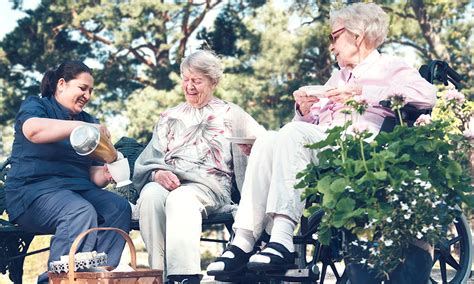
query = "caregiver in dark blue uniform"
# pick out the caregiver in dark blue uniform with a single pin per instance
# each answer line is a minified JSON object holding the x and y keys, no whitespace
{"x":49,"y":187}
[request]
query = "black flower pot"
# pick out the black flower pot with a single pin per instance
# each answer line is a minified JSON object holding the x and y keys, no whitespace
{"x":415,"y":269}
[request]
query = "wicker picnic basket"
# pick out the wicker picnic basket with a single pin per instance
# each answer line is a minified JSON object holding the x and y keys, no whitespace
{"x":139,"y":276}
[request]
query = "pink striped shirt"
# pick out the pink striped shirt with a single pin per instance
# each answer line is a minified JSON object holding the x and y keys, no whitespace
{"x":380,"y":76}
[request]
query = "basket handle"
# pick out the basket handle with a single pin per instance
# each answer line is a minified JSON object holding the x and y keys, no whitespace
{"x":77,"y":241}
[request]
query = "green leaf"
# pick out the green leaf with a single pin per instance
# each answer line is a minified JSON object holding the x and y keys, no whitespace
{"x":454,"y":169}
{"x":324,"y":185}
{"x":382,"y":175}
{"x":346,"y":204}
{"x":324,"y":235}
{"x":329,"y":200}
{"x":427,"y":146}
{"x":338,"y":185}
{"x":468,"y":199}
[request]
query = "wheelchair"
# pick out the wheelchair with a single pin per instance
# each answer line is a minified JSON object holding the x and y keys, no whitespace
{"x":452,"y":255}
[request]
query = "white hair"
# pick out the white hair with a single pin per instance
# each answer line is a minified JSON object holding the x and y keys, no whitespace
{"x":363,"y":18}
{"x":204,"y":62}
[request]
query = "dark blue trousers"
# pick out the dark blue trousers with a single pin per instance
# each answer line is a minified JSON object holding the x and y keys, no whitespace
{"x":66,"y":214}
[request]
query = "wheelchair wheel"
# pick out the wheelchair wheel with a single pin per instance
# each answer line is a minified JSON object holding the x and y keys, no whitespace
{"x":453,"y":255}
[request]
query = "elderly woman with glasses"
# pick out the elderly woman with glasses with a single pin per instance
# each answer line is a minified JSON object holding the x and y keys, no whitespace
{"x":186,"y":171}
{"x":269,"y":200}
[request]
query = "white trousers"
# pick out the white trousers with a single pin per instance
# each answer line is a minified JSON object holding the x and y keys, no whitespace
{"x":270,"y":177}
{"x":170,"y":225}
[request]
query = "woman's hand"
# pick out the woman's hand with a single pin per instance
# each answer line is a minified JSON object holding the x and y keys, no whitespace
{"x":100,"y":175}
{"x":344,"y":93}
{"x":303,"y":101}
{"x":103,"y":130}
{"x":245,"y":148}
{"x":167,"y":179}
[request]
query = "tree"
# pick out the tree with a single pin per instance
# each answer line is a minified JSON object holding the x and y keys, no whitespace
{"x":131,"y":45}
{"x":269,"y":48}
{"x":436,"y":30}
{"x":268,"y":58}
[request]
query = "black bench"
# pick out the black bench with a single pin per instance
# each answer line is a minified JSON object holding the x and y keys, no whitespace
{"x":15,"y":241}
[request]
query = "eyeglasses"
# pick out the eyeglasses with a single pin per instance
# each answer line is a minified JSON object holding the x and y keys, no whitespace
{"x":332,"y":38}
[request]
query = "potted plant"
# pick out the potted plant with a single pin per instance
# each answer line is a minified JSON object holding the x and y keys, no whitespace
{"x":396,"y":190}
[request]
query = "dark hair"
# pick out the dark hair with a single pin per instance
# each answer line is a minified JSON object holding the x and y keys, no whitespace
{"x":68,"y":70}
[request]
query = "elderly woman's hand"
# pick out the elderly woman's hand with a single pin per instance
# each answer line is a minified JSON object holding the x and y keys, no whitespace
{"x":167,"y":179}
{"x":107,"y":175}
{"x":303,"y":101}
{"x":344,"y":93}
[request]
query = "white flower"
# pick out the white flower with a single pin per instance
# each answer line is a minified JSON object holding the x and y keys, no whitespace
{"x":455,"y":95}
{"x":404,"y":206}
{"x":407,"y":216}
{"x":363,"y":261}
{"x":358,"y":128}
{"x":419,"y":235}
{"x":360,"y":100}
{"x":395,"y":197}
{"x":423,"y":120}
{"x":389,"y":220}
{"x":413,"y":202}
{"x":388,"y":243}
{"x":389,"y":188}
{"x":424,"y":229}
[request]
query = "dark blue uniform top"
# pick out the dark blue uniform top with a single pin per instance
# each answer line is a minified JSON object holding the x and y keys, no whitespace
{"x":37,"y":169}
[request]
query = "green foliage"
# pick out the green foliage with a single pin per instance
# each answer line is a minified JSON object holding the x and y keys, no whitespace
{"x":270,"y":49}
{"x":404,"y":185}
{"x":435,"y":30}
{"x":130,"y":45}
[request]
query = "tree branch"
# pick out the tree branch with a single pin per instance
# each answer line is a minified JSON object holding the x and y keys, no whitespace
{"x":140,"y":57}
{"x":88,"y":34}
{"x":405,"y":15}
{"x":422,"y":50}
{"x":188,"y":30}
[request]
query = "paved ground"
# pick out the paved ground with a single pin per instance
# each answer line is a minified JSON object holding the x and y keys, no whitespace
{"x":330,"y":279}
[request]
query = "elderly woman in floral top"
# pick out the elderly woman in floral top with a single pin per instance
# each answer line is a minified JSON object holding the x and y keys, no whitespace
{"x":185,"y":173}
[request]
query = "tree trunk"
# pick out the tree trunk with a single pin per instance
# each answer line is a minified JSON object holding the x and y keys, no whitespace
{"x":430,"y":32}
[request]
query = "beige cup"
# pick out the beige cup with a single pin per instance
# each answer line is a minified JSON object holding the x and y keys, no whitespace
{"x":316,"y":90}
{"x":120,"y":171}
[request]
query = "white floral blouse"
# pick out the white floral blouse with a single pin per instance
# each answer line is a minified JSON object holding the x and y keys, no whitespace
{"x":193,"y":140}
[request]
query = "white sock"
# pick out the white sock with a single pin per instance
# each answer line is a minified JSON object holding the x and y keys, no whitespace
{"x":243,"y":239}
{"x":282,"y":233}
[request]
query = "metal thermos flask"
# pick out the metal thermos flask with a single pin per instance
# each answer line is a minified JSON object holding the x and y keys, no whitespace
{"x":87,"y":141}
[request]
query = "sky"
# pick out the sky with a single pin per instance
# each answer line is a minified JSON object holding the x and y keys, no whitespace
{"x":9,"y":17}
